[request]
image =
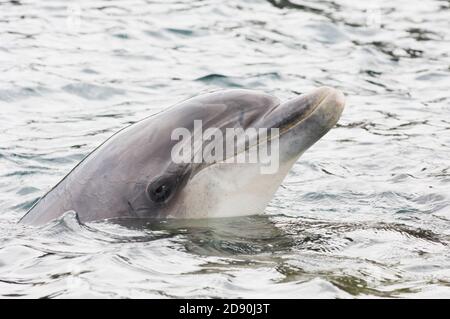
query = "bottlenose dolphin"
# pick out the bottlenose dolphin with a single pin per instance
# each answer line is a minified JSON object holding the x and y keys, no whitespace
{"x":133,"y":174}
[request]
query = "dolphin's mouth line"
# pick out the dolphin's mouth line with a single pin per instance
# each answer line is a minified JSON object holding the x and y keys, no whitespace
{"x":281,"y":132}
{"x":295,"y":123}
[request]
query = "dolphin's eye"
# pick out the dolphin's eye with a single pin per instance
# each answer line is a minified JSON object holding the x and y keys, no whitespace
{"x":165,"y":186}
{"x":160,"y":193}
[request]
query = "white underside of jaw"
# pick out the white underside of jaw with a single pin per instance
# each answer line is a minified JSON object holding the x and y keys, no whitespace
{"x":226,"y":190}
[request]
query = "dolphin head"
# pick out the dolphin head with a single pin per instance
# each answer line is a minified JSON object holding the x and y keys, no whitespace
{"x":226,"y":186}
{"x":137,"y":173}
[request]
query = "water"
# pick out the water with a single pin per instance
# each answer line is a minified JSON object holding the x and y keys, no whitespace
{"x":365,"y":212}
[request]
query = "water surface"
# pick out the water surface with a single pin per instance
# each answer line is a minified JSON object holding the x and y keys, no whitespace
{"x":364,"y":213}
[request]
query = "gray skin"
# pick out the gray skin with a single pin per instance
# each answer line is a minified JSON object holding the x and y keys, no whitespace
{"x":132,"y":174}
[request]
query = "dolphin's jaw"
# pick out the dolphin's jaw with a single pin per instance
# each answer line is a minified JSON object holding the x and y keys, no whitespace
{"x":229,"y":190}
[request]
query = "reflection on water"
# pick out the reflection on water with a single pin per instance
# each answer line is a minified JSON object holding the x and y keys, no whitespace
{"x":365,"y":212}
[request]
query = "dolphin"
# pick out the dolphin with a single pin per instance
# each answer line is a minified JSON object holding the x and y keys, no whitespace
{"x":133,"y":174}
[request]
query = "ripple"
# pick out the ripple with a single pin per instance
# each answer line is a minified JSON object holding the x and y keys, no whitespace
{"x":91,"y":91}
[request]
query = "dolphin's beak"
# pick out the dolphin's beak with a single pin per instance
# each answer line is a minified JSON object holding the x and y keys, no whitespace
{"x":323,"y":106}
{"x":329,"y":97}
{"x":327,"y":112}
